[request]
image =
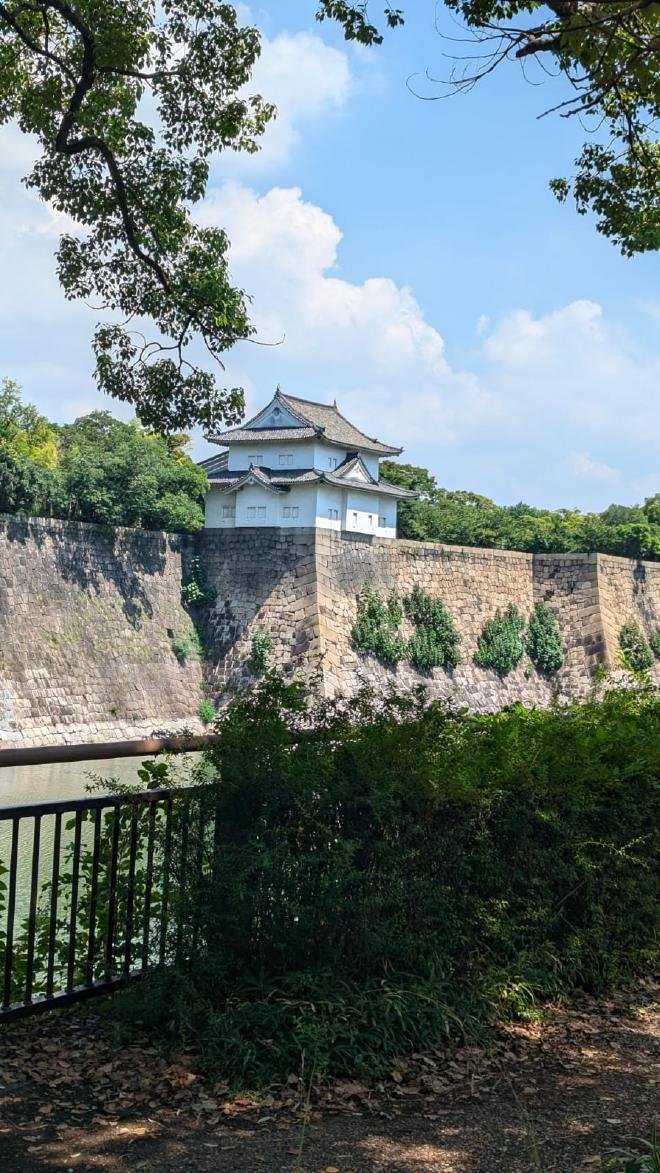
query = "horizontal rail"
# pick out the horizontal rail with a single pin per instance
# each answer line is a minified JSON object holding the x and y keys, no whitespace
{"x":71,"y":805}
{"x":42,"y":755}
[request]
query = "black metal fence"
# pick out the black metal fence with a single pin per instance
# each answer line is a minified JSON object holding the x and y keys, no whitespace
{"x":86,"y":895}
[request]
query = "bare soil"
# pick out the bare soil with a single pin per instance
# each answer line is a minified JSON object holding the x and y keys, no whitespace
{"x":554,"y":1095}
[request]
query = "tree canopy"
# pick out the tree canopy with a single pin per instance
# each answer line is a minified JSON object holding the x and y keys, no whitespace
{"x":96,"y":469}
{"x":128,"y":99}
{"x":468,"y":519}
{"x":608,"y":54}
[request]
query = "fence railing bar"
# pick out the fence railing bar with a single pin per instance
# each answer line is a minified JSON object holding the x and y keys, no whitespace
{"x":130,"y":892}
{"x":183,"y":863}
{"x":165,"y":901}
{"x":112,"y":896}
{"x":73,"y":923}
{"x":32,"y":908}
{"x":11,"y":910}
{"x":93,"y":897}
{"x":67,"y":997}
{"x":148,"y":885}
{"x":54,"y":894}
{"x":71,"y":805}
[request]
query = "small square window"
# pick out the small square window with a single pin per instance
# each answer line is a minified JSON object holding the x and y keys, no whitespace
{"x":261,"y":511}
{"x":289,"y":459}
{"x":286,"y":511}
{"x":256,"y":458}
{"x":226,"y":510}
{"x":382,"y":521}
{"x":251,"y":512}
{"x":281,"y":460}
{"x":294,"y":510}
{"x":354,"y":518}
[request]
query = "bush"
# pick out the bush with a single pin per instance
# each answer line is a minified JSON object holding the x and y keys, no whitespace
{"x":501,"y":643}
{"x":196,"y":589}
{"x":383,"y":875}
{"x":543,"y":639}
{"x":261,"y":647}
{"x":376,"y":628}
{"x":654,"y":643}
{"x":434,"y":643}
{"x":635,"y":651}
{"x":206,"y":712}
{"x":187,"y":645}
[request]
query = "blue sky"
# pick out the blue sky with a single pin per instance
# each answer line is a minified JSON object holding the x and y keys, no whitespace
{"x":409,"y":259}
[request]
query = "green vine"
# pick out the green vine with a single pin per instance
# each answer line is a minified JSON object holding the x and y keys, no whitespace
{"x":544,"y":640}
{"x":501,"y":644}
{"x":434,"y":642}
{"x":262,"y":645}
{"x":376,"y":628}
{"x":196,"y":589}
{"x":636,"y":654}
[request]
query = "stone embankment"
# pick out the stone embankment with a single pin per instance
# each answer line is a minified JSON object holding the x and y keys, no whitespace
{"x":92,"y":623}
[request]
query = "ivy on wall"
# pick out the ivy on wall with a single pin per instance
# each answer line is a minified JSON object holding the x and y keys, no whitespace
{"x":376,"y":628}
{"x":433,"y":643}
{"x":501,"y":643}
{"x":636,"y":653}
{"x":544,"y":640}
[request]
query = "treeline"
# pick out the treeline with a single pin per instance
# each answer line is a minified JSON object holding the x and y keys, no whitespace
{"x":97,"y":469}
{"x":467,"y":519}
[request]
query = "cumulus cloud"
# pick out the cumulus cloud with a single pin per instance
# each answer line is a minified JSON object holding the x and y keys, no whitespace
{"x":367,"y":343}
{"x":581,"y":465}
{"x":539,"y":391}
{"x":305,"y":79}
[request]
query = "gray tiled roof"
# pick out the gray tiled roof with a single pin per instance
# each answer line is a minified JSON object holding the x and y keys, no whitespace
{"x":316,"y":419}
{"x":284,"y":479}
{"x":254,"y":435}
{"x":214,"y":464}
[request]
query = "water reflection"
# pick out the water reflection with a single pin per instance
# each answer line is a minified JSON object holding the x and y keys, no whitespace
{"x":49,"y":783}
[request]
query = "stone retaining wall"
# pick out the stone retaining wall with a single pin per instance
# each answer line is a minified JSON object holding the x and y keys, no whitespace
{"x":89,"y":616}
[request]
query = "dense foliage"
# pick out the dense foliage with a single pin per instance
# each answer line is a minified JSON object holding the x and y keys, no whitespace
{"x":376,"y":628}
{"x":607,"y":55}
{"x":435,"y":640}
{"x":501,"y":644}
{"x":635,"y":648}
{"x":468,"y":519}
{"x":97,"y":469}
{"x":543,"y":641}
{"x":389,"y":873}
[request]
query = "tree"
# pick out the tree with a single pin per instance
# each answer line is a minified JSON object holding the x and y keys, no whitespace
{"x":119,"y":474}
{"x":608,"y":54}
{"x":90,"y":78}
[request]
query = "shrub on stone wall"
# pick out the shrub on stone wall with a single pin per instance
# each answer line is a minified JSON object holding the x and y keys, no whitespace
{"x":196,"y":588}
{"x":262,"y":646}
{"x":501,"y":643}
{"x":187,"y":645}
{"x":636,"y":653}
{"x":544,"y":640}
{"x":435,"y":640}
{"x":654,"y":643}
{"x":376,"y":628}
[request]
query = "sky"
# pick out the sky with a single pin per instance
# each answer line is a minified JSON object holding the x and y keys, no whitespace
{"x":406,"y":257}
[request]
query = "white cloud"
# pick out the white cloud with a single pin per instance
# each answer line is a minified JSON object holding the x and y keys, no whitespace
{"x":581,"y":465}
{"x":368,"y":343}
{"x":306,"y":79}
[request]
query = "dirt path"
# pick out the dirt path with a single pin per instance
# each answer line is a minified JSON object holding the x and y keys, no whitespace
{"x":553,"y":1096}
